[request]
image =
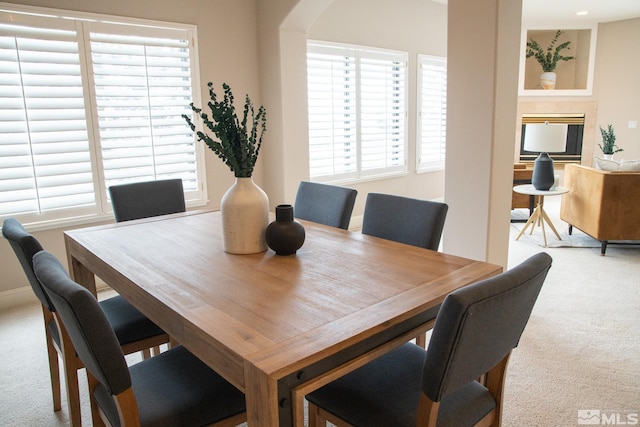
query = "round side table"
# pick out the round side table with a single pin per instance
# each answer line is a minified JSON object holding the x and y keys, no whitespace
{"x":539,"y":216}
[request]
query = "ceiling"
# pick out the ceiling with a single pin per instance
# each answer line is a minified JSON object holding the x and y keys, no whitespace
{"x":565,"y":11}
{"x":550,"y":11}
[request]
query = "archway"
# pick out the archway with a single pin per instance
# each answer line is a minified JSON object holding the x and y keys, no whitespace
{"x":481,"y":114}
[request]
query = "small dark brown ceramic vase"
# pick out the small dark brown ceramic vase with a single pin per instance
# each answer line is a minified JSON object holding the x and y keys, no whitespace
{"x":285,"y":235}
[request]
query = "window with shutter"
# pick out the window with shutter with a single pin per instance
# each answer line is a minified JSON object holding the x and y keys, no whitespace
{"x":357,"y":111}
{"x":333,"y":148}
{"x":432,"y":112}
{"x":42,"y":119}
{"x":85,"y":104}
{"x":142,"y":88}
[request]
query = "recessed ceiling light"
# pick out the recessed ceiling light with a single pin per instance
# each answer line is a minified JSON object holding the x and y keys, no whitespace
{"x":582,"y":13}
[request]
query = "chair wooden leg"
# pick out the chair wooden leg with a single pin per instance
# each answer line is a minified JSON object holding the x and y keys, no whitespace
{"x":427,"y":415}
{"x":146,"y":353}
{"x":232,"y":422}
{"x":127,"y":408}
{"x":54,"y":366}
{"x":70,"y":363}
{"x":318,"y":417}
{"x":95,"y":410}
{"x":421,"y":338}
{"x":315,"y":419}
{"x":495,"y":383}
{"x":73,"y":391}
{"x":54,"y":373}
{"x":172,"y":343}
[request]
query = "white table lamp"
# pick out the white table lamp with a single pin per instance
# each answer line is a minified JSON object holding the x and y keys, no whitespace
{"x":544,"y":138}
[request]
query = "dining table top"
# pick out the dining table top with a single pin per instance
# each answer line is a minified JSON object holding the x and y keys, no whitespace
{"x":267,"y":322}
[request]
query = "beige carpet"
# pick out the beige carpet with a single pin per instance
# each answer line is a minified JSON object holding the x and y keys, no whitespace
{"x":580,"y":350}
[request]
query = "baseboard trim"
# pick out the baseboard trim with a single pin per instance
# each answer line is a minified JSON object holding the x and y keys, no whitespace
{"x":16,"y":297}
{"x":24,"y":295}
{"x":355,"y":224}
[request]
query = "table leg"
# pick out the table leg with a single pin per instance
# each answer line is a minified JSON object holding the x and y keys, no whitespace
{"x":77,"y":271}
{"x":546,"y":218}
{"x":530,"y":222}
{"x":261,"y":394}
{"x":82,"y":275}
{"x":534,"y":219}
{"x":539,"y":217}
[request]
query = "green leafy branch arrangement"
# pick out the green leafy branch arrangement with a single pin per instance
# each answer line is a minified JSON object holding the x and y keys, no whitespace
{"x":238,"y":144}
{"x":608,"y":141}
{"x":548,"y":59}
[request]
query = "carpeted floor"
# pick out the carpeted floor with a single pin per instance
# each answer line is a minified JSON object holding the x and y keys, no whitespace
{"x":579,"y":352}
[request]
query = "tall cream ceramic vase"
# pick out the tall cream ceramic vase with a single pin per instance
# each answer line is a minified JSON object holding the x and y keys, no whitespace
{"x":245,"y":216}
{"x":548,"y":80}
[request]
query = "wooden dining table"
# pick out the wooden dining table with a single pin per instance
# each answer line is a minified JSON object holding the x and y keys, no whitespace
{"x":275,"y":326}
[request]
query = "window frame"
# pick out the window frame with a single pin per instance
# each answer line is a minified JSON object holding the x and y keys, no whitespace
{"x":100,"y":209}
{"x":361,"y":53}
{"x":430,"y":165}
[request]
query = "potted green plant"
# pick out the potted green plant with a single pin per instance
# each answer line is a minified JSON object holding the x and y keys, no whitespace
{"x":608,"y":145}
{"x":548,"y":58}
{"x":244,"y":207}
{"x":238,"y":144}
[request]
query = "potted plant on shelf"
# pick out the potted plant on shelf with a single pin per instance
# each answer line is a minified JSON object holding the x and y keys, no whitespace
{"x":608,"y":145}
{"x":244,"y":207}
{"x":548,"y":58}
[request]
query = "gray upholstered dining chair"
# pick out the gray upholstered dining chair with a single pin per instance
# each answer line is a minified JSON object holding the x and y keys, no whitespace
{"x":174,"y":388}
{"x":325,"y":204}
{"x":459,"y":380}
{"x":146,"y":199}
{"x":406,"y":220}
{"x":134,"y":331}
{"x":403,"y":219}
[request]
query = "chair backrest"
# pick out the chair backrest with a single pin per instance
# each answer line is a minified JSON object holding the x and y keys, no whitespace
{"x":325,"y":204}
{"x":147,"y":199}
{"x":88,"y":327}
{"x":25,"y":247}
{"x":478,"y":326}
{"x":403,"y":219}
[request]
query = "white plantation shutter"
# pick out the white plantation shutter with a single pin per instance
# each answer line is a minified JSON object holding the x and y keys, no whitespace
{"x":142,"y":87}
{"x":86,"y":104}
{"x":357,"y":111}
{"x":45,"y":163}
{"x":432,"y":110}
{"x":382,"y":106}
{"x":333,"y":148}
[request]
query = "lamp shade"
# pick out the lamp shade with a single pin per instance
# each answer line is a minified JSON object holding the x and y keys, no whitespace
{"x":545,"y":137}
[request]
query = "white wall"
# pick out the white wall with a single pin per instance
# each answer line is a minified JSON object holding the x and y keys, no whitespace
{"x":483,"y":63}
{"x":413,"y":26}
{"x":617,"y":84}
{"x":374,"y":23}
{"x":227,"y":34}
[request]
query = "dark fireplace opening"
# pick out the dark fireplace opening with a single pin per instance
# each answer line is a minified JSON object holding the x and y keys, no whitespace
{"x":573,"y":151}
